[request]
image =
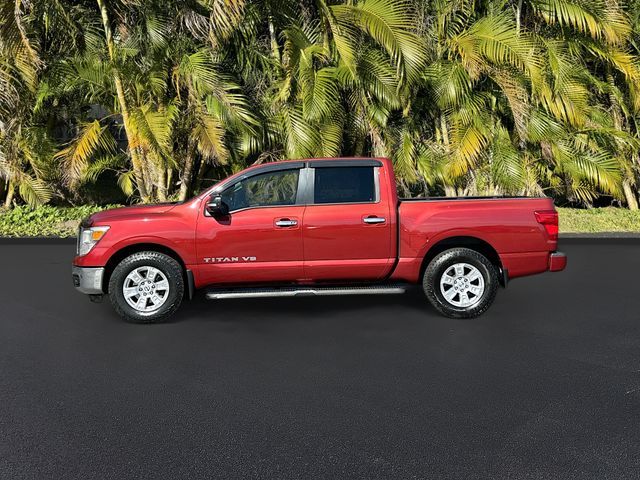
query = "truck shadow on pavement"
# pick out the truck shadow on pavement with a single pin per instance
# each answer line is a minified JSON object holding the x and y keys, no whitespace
{"x":299,"y":309}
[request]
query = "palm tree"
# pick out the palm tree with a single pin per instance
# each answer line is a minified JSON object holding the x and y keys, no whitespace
{"x":340,"y":72}
{"x":22,"y":143}
{"x":494,"y":97}
{"x":215,"y":111}
{"x":587,"y":51}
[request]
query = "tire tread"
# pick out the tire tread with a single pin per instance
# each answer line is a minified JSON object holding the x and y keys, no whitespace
{"x":171,"y":268}
{"x":430,"y":283}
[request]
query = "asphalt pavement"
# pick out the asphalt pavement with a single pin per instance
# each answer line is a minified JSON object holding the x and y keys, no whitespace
{"x":544,"y":385}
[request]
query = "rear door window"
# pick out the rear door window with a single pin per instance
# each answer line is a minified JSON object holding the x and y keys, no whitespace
{"x":344,"y":185}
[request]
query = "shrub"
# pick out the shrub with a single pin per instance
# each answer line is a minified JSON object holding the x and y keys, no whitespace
{"x":45,"y":221}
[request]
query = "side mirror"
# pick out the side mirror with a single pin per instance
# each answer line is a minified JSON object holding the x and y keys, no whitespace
{"x":216,"y":207}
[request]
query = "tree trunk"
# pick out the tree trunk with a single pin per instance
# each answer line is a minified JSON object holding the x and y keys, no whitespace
{"x":450,"y":191}
{"x":10,"y":192}
{"x":632,"y":201}
{"x":275,"y":49}
{"x":187,"y":175}
{"x":136,"y":161}
{"x":326,"y":28}
{"x":358,"y":147}
{"x":518,"y":16}
{"x":425,"y":186}
{"x":200,"y":176}
{"x":149,"y":173}
{"x":169,"y":177}
{"x":444,"y":131}
{"x":161,"y":182}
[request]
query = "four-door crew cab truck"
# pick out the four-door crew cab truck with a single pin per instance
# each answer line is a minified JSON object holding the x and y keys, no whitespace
{"x":314,"y":227}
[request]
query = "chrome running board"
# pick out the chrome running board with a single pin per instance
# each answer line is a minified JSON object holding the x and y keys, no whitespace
{"x":304,"y":291}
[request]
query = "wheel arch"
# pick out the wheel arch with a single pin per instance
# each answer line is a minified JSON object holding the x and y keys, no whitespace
{"x":466,"y":241}
{"x":124,"y":252}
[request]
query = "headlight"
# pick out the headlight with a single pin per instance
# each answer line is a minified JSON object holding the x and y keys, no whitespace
{"x":88,"y":237}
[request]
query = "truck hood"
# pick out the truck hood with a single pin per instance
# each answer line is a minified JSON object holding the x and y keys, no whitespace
{"x":125,"y":213}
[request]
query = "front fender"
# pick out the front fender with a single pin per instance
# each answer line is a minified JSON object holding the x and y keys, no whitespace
{"x":100,"y":254}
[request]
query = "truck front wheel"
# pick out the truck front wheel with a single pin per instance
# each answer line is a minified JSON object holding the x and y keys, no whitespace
{"x":146,"y":287}
{"x":460,"y":283}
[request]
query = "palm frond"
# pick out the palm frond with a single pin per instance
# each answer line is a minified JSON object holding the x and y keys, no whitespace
{"x":33,"y":191}
{"x":508,"y":169}
{"x":494,"y":39}
{"x":153,"y":128}
{"x":599,"y":18}
{"x":210,"y":137}
{"x":225,"y":16}
{"x":101,"y":165}
{"x":127,"y":182}
{"x":405,"y":156}
{"x":320,"y":94}
{"x":300,"y":138}
{"x":389,"y":23}
{"x":93,"y":137}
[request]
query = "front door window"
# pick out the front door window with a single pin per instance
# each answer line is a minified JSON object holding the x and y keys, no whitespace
{"x":264,"y":190}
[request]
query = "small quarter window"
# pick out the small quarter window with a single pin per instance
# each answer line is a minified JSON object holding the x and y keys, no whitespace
{"x":344,"y":185}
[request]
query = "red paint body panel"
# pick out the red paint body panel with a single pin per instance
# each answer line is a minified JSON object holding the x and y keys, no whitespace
{"x":338,"y":245}
{"x":251,"y":233}
{"x":171,"y":226}
{"x":330,"y":242}
{"x":507,"y":225}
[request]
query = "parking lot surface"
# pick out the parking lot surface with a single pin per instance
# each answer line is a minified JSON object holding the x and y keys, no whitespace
{"x":545,"y":385}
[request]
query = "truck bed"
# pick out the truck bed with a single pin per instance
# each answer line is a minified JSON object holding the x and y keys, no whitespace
{"x":507,"y":224}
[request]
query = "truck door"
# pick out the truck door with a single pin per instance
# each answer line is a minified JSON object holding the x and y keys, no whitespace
{"x":348,"y":226}
{"x":261,"y":238}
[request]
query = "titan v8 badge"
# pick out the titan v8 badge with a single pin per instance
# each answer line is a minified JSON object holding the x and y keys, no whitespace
{"x":228,"y":259}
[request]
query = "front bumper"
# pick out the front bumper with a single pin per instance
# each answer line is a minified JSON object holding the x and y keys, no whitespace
{"x":88,"y":280}
{"x":557,"y":261}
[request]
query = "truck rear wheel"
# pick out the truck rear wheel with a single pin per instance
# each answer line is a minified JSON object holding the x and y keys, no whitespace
{"x":146,"y":287}
{"x":460,"y":283}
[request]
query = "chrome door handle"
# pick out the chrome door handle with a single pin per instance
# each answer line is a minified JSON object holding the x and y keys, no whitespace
{"x":286,"y":223}
{"x":374,"y":220}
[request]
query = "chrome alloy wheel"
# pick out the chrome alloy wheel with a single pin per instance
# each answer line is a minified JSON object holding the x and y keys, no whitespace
{"x":145,"y":289}
{"x":462,"y":285}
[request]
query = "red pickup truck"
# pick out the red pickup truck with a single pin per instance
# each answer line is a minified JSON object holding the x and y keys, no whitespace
{"x":314,"y":227}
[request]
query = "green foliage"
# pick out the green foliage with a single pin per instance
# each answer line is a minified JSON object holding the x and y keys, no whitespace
{"x":468,"y":98}
{"x":45,"y":221}
{"x":595,"y":220}
{"x":48,"y":221}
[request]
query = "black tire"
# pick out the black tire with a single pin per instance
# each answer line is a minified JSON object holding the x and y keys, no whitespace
{"x":444,"y":262}
{"x":171,"y":270}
